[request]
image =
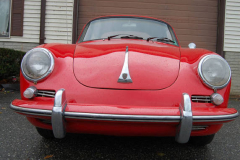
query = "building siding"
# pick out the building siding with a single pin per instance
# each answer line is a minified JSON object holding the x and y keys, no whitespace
{"x":232,"y":26}
{"x":21,"y":46}
{"x":59,"y":19}
{"x":31,"y":23}
{"x":233,"y":59}
{"x":232,"y":42}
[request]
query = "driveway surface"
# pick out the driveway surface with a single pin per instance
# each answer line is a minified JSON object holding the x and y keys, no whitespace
{"x":19,"y":140}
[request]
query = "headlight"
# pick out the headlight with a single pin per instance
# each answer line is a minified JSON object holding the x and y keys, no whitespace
{"x":214,"y":71}
{"x":37,"y":64}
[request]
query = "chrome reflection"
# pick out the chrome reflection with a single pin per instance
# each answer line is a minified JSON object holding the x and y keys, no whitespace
{"x":125,"y":75}
{"x":185,"y":127}
{"x":198,"y":128}
{"x":58,"y":122}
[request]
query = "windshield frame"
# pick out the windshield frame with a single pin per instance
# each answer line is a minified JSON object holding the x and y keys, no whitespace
{"x":171,"y":30}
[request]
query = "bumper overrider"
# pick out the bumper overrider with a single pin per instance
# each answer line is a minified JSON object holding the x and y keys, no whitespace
{"x":185,"y":117}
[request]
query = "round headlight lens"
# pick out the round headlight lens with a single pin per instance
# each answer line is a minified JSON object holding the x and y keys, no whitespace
{"x":214,"y":71}
{"x":37,"y":64}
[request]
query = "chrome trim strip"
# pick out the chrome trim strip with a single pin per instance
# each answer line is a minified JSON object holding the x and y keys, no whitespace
{"x":215,"y":118}
{"x":30,"y":111}
{"x":97,"y":116}
{"x":118,"y":117}
{"x":125,"y":74}
{"x":47,"y":92}
{"x":200,"y":97}
{"x":49,"y":54}
{"x":45,"y":95}
{"x":185,"y":126}
{"x":197,"y":128}
{"x":58,"y":122}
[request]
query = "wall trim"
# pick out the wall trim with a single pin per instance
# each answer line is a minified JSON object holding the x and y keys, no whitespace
{"x":42,"y":22}
{"x":75,"y":22}
{"x":220,"y":28}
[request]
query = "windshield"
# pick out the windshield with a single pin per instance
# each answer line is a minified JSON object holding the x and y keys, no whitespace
{"x":118,"y":27}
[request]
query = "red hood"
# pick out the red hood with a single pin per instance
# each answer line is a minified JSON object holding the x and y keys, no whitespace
{"x":152,"y":65}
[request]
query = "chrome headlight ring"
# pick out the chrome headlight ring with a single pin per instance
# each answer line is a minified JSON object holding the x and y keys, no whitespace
{"x":219,"y":61}
{"x":49,"y":69}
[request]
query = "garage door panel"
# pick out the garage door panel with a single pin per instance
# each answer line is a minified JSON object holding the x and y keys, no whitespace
{"x":196,"y":32}
{"x":197,"y":38}
{"x":174,"y":19}
{"x":177,"y":26}
{"x":128,"y":10}
{"x":193,"y":20}
{"x":211,"y":3}
{"x":193,"y":26}
{"x":147,"y":5}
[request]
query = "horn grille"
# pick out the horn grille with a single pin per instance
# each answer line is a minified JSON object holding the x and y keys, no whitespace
{"x":201,"y":99}
{"x":46,"y":93}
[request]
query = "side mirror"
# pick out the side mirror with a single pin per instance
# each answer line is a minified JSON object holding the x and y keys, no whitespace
{"x":192,"y":45}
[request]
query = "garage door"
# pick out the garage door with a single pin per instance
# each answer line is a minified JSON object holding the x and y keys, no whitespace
{"x":193,"y":20}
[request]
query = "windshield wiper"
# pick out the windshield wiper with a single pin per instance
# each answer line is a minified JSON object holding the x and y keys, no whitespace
{"x":127,"y":36}
{"x":149,"y":38}
{"x":132,"y":37}
{"x":113,"y":36}
{"x":164,"y":39}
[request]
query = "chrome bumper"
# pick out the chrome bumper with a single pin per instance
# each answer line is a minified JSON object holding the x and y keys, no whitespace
{"x":185,"y":119}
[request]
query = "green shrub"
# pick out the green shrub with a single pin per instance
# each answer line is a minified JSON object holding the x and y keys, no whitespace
{"x":10,"y":61}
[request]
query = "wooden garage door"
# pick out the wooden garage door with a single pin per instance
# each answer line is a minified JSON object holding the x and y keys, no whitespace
{"x":193,"y":20}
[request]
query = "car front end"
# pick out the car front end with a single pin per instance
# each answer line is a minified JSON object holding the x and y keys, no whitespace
{"x":126,"y":87}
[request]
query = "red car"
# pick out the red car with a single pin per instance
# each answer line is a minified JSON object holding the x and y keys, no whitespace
{"x":126,"y":76}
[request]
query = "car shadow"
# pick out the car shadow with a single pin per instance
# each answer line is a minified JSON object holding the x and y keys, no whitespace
{"x":81,"y":146}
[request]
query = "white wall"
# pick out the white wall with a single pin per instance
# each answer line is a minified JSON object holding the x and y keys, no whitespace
{"x":31,"y":23}
{"x":59,"y":20}
{"x":232,"y":26}
{"x":232,"y":42}
{"x":58,"y":23}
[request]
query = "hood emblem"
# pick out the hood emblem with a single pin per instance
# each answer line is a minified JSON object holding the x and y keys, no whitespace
{"x":125,"y":75}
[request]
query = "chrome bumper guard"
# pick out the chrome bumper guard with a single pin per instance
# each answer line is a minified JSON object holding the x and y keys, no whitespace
{"x":185,"y":127}
{"x":185,"y":119}
{"x":58,"y":121}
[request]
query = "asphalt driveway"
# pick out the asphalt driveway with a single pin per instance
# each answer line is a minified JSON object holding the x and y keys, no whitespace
{"x":19,"y":140}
